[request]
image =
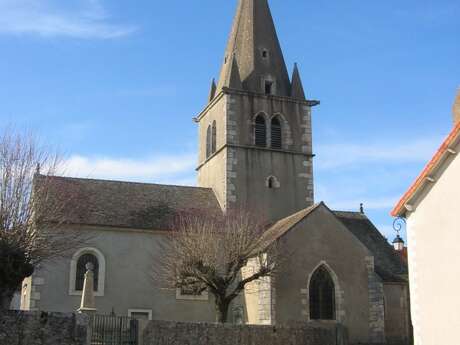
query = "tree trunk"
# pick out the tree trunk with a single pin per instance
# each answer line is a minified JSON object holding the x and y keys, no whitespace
{"x":222,"y":306}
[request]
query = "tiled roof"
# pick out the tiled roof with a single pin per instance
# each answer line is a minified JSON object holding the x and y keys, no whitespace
{"x":130,"y":205}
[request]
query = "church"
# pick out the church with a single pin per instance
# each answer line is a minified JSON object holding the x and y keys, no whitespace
{"x":255,"y":152}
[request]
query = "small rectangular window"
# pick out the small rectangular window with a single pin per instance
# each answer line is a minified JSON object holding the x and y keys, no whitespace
{"x":140,"y":314}
{"x":268,"y":87}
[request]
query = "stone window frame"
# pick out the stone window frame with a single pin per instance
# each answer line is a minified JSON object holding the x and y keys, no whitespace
{"x":272,"y":80}
{"x":213,"y":137}
{"x":286,"y":137}
{"x":73,"y":271}
{"x":146,"y":311}
{"x":276,"y":182}
{"x":339,"y":295}
{"x":267,"y":127}
{"x":208,"y":152}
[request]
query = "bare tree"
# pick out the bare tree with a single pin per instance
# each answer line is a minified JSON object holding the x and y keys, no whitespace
{"x":32,"y":210}
{"x":207,"y":252}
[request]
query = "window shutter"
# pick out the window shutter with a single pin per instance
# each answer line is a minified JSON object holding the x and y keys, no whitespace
{"x":276,"y":135}
{"x":260,"y":132}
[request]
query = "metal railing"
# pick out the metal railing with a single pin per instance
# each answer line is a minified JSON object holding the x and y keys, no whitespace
{"x":114,"y":330}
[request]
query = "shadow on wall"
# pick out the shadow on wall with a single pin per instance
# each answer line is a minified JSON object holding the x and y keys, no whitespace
{"x":16,"y":302}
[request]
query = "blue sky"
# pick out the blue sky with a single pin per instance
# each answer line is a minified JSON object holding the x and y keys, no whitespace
{"x":115,"y":84}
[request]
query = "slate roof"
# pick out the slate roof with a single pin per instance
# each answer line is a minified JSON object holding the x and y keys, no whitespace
{"x":128,"y":204}
{"x":253,"y":29}
{"x":281,"y":227}
{"x":388,"y":264}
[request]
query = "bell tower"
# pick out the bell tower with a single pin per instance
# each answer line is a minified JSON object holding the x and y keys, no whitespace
{"x":255,"y":132}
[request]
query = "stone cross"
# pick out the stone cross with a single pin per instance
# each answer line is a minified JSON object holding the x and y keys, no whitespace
{"x":88,"y":302}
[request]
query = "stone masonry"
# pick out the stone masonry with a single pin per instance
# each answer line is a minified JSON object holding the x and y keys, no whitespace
{"x":173,"y":333}
{"x":376,"y":305}
{"x":40,"y":328}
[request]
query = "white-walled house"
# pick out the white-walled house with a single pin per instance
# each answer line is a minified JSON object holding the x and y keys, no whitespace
{"x":432,"y":210}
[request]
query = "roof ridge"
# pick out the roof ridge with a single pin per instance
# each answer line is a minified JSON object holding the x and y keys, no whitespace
{"x":119,"y":181}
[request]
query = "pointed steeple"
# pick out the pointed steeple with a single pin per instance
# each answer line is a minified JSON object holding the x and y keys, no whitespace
{"x":296,"y":87}
{"x":456,"y":108}
{"x":212,"y":91}
{"x":254,"y":43}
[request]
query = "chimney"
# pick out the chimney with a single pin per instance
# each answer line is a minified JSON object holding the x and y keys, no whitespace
{"x":456,"y":108}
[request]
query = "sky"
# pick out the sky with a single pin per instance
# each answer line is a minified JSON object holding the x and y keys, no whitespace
{"x":114,"y":85}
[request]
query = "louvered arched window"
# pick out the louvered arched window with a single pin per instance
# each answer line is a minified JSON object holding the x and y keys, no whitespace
{"x":214,"y":138}
{"x":81,"y":270}
{"x":260,"y":131}
{"x":322,"y":295}
{"x":276,"y":134}
{"x":208,"y":142}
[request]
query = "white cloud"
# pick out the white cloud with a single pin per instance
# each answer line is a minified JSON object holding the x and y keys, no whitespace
{"x":340,"y":155}
{"x":178,"y":169}
{"x":82,"y":19}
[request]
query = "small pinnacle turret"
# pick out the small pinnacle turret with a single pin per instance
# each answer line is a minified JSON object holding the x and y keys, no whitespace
{"x":232,"y":79}
{"x":297,"y":88}
{"x":253,"y":47}
{"x":212,"y":90}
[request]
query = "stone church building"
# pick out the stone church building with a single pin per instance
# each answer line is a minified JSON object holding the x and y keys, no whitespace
{"x":255,"y":151}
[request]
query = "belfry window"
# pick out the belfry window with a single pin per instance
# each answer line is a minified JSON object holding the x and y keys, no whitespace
{"x":214,"y":138}
{"x":322,"y":295}
{"x":260,"y":132}
{"x":268,"y":87}
{"x":81,"y":270}
{"x":208,"y":142}
{"x":276,"y":134}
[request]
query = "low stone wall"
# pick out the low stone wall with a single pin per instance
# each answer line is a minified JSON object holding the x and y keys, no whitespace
{"x":39,"y":328}
{"x":175,"y":333}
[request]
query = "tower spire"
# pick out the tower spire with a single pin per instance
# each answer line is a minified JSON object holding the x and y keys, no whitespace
{"x":254,"y":44}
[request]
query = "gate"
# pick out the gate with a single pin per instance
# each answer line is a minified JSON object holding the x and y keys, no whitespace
{"x":114,"y":330}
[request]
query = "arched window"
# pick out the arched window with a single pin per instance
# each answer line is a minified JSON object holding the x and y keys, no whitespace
{"x":260,"y":131}
{"x":81,"y":270}
{"x":78,"y":269}
{"x":272,"y":182}
{"x":276,"y":135}
{"x":214,"y":138}
{"x":208,"y":142}
{"x":322,"y":295}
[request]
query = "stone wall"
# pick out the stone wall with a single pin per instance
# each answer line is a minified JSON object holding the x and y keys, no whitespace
{"x":39,"y":328}
{"x":173,"y":333}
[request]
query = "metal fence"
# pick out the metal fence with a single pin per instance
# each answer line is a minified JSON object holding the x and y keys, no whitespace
{"x":114,"y":330}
